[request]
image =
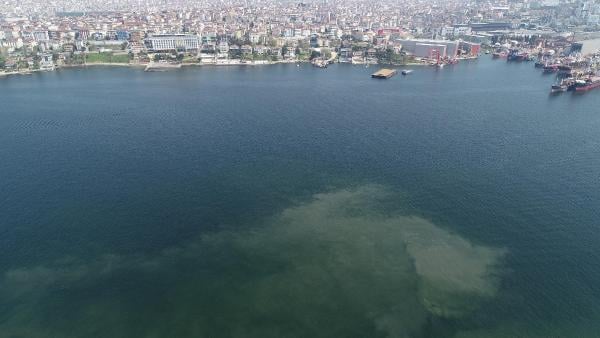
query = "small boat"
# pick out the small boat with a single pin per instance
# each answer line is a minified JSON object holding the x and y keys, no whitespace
{"x":319,"y":63}
{"x":497,"y":55}
{"x":559,"y":88}
{"x":407,"y":71}
{"x":487,"y":51}
{"x":517,"y":55}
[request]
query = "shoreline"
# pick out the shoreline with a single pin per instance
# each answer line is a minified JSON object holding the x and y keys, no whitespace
{"x":216,"y":64}
{"x":95,"y":64}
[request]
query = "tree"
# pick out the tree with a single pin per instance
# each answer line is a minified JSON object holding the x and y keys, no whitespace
{"x":2,"y":61}
{"x":271,"y":42}
{"x":385,"y":56}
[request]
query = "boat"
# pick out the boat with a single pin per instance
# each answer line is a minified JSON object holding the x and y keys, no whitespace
{"x":517,"y":55}
{"x":407,"y":71}
{"x":559,"y":88}
{"x":487,"y":51}
{"x":551,"y":68}
{"x":497,"y":55}
{"x":589,"y":83}
{"x":320,"y":63}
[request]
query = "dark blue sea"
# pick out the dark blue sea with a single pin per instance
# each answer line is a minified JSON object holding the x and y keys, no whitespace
{"x":291,"y":201}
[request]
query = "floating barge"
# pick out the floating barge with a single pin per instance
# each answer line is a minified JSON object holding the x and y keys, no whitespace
{"x":384,"y":73}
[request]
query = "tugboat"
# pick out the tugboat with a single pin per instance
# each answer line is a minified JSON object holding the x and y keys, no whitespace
{"x":559,"y":88}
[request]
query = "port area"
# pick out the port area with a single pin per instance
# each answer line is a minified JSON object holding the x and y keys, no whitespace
{"x":384,"y":73}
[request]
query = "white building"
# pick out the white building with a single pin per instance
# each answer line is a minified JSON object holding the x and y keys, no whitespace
{"x":167,"y":42}
{"x":40,"y":36}
{"x":223,"y":47}
{"x":255,"y":38}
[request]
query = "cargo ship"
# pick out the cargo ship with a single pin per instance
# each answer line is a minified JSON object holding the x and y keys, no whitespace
{"x":589,"y":83}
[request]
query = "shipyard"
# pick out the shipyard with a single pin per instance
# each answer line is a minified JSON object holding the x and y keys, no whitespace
{"x":575,"y":62}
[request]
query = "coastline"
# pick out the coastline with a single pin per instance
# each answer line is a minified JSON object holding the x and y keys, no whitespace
{"x":219,"y":64}
{"x":24,"y":72}
{"x":142,"y":65}
{"x":95,"y":64}
{"x":31,"y":71}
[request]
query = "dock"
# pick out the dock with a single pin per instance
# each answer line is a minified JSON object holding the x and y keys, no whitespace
{"x":384,"y":73}
{"x":161,"y":66}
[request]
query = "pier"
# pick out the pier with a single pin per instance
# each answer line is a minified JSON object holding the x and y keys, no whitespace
{"x":161,"y":66}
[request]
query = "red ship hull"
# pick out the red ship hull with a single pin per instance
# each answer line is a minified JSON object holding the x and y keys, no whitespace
{"x":587,"y":87}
